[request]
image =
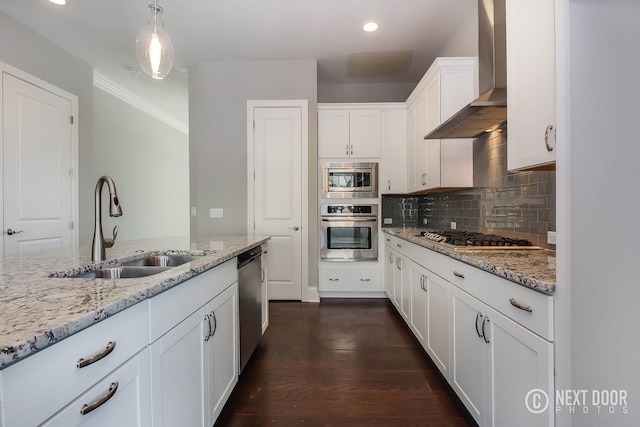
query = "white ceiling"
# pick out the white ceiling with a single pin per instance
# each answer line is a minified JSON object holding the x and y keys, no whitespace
{"x":103,"y":34}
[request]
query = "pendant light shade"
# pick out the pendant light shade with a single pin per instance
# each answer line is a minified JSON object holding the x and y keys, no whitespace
{"x":153,"y":47}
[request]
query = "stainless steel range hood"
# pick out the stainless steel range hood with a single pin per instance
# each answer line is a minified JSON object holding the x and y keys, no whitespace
{"x":489,"y":111}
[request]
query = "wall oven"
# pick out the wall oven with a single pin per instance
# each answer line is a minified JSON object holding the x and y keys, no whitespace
{"x":349,"y":232}
{"x":349,"y":180}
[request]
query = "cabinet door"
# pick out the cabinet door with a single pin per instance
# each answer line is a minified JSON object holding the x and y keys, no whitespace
{"x":418,"y":301}
{"x":389,"y":272}
{"x":520,"y":362}
{"x":333,"y":133}
{"x":126,"y":404}
{"x":437,"y":336}
{"x":265,"y":294}
{"x":403,"y":277}
{"x":365,"y":133}
{"x":397,"y":280}
{"x":178,"y":375}
{"x":411,"y":148}
{"x":531,"y":69}
{"x":470,"y":353}
{"x":221,"y":349}
{"x":394,"y":159}
{"x":420,"y":145}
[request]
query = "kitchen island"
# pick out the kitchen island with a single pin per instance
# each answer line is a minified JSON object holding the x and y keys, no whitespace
{"x":40,"y":304}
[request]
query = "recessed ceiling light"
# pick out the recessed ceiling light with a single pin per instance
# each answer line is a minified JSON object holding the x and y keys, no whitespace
{"x":61,"y":2}
{"x":370,"y":27}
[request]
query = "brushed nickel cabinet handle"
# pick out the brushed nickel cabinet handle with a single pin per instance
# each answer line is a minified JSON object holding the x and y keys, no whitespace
{"x":398,"y":245}
{"x":212,"y":315}
{"x":458,"y":274}
{"x":86,"y":408}
{"x":478,"y":316}
{"x":365,"y":280}
{"x":547,"y":133}
{"x":208,"y":334}
{"x":389,"y":184}
{"x":484,"y":334}
{"x":520,"y":305}
{"x":93,"y":359}
{"x":347,"y":153}
{"x":334,"y":280}
{"x":399,"y":264}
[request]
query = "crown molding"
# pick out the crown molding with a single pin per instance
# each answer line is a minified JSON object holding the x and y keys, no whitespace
{"x":102,"y":83}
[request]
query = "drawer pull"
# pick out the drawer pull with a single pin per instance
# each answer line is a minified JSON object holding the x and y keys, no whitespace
{"x":98,"y":403}
{"x":398,"y":245}
{"x":458,"y":274}
{"x":520,"y":305}
{"x":334,"y":280}
{"x":93,"y":359}
{"x":365,"y":280}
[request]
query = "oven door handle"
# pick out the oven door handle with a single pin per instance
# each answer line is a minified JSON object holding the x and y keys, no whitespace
{"x":343,"y":219}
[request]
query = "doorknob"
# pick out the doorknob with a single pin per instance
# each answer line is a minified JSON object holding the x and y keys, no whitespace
{"x":296,"y":228}
{"x":11,"y":232}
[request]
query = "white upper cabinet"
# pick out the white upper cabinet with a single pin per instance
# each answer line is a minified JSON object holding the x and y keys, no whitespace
{"x":393,"y":175}
{"x":531,"y":93}
{"x":349,"y":131}
{"x":448,"y":85}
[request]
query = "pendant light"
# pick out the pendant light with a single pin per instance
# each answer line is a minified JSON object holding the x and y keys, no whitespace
{"x":153,"y":47}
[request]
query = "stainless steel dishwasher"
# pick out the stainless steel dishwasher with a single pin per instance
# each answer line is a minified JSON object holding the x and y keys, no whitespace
{"x":250,"y":304}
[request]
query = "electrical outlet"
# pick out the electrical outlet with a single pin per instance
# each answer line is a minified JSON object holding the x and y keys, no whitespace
{"x":193,"y":211}
{"x":453,"y":225}
{"x":425,"y":221}
{"x":388,"y":221}
{"x":216,"y":213}
{"x":551,"y":237}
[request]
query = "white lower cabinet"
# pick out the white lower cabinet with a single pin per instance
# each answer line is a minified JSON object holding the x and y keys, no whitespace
{"x":496,"y":362}
{"x":490,"y":338}
{"x":121,"y":399}
{"x":349,"y":277}
{"x":194,"y":366}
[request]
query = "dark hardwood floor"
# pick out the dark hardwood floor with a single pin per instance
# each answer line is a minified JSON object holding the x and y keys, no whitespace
{"x":339,"y":363}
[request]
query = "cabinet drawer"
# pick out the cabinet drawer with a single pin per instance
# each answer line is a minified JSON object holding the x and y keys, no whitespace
{"x":173,"y":306}
{"x":505,"y":296}
{"x":349,"y":277}
{"x":42,"y":384}
{"x":431,"y":260}
{"x":127,"y":404}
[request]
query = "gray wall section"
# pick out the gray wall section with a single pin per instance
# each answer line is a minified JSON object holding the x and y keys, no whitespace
{"x":603,"y":216}
{"x":149,"y":162}
{"x":22,"y":48}
{"x":218,"y":95}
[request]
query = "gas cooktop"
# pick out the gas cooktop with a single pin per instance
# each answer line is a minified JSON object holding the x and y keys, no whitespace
{"x":472,"y":240}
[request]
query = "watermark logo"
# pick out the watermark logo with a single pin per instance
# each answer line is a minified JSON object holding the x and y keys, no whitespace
{"x":538,"y":401}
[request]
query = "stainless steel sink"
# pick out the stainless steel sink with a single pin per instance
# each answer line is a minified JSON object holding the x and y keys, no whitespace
{"x":163,"y":260}
{"x":122,"y":272}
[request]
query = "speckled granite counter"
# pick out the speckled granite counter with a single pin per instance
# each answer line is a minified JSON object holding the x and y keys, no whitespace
{"x":528,"y":267}
{"x":37,"y":310}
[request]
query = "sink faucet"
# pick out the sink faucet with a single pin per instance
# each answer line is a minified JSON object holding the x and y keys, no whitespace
{"x":99,"y":242}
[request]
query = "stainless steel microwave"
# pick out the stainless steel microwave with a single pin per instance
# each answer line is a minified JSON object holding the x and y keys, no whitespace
{"x":349,"y":180}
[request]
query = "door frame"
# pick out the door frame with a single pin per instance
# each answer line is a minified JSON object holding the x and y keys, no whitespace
{"x":22,"y":75}
{"x":307,"y":293}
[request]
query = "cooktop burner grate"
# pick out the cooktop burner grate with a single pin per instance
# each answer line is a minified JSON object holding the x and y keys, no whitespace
{"x":469,"y":238}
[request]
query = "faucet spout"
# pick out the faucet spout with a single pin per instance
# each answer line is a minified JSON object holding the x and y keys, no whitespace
{"x":99,"y":243}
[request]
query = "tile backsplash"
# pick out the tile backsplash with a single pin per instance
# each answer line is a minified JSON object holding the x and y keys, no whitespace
{"x":521,"y":204}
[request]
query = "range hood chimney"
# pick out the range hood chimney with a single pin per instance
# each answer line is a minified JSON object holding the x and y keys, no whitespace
{"x":489,"y":111}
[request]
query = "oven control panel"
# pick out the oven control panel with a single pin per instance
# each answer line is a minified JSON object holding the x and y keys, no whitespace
{"x":370,"y":210}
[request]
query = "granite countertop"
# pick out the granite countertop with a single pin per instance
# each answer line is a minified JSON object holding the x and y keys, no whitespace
{"x":533,"y":268}
{"x":40,"y":305}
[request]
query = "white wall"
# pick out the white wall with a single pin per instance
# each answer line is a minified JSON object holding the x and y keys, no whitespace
{"x":603,"y":213}
{"x":149,"y":162}
{"x":364,"y":92}
{"x":22,"y":48}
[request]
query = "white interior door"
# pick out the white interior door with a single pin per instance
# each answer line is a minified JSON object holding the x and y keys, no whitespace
{"x":37,"y":146}
{"x":277,"y":148}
